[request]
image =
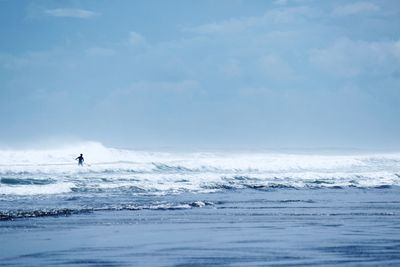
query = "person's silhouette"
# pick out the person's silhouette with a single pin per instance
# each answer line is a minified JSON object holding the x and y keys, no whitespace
{"x":80,"y":160}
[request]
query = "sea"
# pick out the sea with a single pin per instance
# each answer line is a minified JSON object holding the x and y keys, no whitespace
{"x":199,"y":208}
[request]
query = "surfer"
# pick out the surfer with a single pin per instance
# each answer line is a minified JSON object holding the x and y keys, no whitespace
{"x":80,"y":160}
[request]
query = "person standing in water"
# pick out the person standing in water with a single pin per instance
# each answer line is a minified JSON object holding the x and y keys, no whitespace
{"x":80,"y":160}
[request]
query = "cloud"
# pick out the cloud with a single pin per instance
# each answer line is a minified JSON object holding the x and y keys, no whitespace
{"x":136,"y":38}
{"x":281,"y":2}
{"x":71,"y":13}
{"x":153,"y":88}
{"x":276,"y":68}
{"x":355,"y":8}
{"x":284,"y":15}
{"x":287,"y":2}
{"x":350,"y":58}
{"x":246,"y":71}
{"x":227,"y":26}
{"x":231,"y":69}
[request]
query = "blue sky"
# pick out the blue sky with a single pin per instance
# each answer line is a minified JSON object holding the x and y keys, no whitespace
{"x":223,"y":74}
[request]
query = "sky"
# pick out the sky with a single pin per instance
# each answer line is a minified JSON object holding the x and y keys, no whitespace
{"x":201,"y":74}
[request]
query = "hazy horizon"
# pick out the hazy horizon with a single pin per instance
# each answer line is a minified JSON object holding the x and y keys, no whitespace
{"x":88,"y":148}
{"x":284,"y":74}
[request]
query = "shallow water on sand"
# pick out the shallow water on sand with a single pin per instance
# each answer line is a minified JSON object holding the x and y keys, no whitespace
{"x":233,"y":227}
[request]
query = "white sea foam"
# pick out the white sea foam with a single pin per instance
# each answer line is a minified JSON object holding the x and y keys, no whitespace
{"x":162,"y":172}
{"x":28,"y":190}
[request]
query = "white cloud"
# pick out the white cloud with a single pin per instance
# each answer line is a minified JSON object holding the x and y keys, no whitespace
{"x":291,"y":14}
{"x":350,"y":58}
{"x":136,"y":38}
{"x":287,"y":2}
{"x":227,"y":26}
{"x":276,"y":68}
{"x":71,"y":13}
{"x":355,"y":8}
{"x":284,"y":15}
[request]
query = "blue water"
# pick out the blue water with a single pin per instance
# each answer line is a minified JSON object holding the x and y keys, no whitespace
{"x":277,"y":227}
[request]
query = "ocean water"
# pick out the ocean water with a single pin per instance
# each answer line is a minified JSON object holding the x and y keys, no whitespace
{"x":143,"y":208}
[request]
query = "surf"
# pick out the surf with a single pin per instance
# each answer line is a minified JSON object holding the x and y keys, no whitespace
{"x":54,"y":171}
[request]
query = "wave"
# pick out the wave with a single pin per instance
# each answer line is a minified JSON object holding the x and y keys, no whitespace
{"x":36,"y":189}
{"x":19,"y":214}
{"x":177,"y":184}
{"x":54,"y":171}
{"x":25,"y":181}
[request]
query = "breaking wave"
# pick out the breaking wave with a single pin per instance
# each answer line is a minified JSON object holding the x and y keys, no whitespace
{"x":49,"y":172}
